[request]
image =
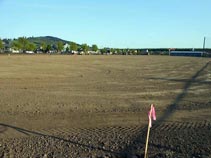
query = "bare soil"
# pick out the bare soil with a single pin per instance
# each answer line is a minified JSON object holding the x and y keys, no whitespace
{"x":96,"y":106}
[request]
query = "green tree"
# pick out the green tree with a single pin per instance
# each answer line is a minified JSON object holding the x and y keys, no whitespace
{"x":15,"y":45}
{"x":48,"y":48}
{"x":117,"y":51}
{"x":22,"y":43}
{"x":103,"y":51}
{"x":73,"y":46}
{"x":1,"y":44}
{"x":67,"y":49}
{"x":85,"y":47}
{"x":138,"y":52}
{"x":31,"y":47}
{"x":112,"y":50}
{"x":124,"y":51}
{"x":59,"y":46}
{"x":135,"y":52}
{"x":94,"y":47}
{"x":44,"y":46}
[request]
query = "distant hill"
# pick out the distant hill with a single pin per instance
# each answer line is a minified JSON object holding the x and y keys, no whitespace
{"x":46,"y":39}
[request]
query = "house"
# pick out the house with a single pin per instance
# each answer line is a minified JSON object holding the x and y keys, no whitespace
{"x":14,"y":51}
{"x":66,"y":47}
{"x":93,"y":52}
{"x":7,"y":45}
{"x":81,"y":52}
{"x":39,"y":50}
{"x":74,"y":52}
{"x":29,"y":52}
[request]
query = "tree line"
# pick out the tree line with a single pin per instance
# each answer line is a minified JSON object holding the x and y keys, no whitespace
{"x":23,"y":44}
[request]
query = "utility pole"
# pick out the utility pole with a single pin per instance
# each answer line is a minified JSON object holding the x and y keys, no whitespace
{"x":204,"y":43}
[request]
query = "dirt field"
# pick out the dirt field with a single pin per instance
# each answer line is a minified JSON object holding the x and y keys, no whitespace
{"x":96,"y":106}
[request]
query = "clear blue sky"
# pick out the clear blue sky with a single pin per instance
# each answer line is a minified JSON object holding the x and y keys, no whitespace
{"x":110,"y":23}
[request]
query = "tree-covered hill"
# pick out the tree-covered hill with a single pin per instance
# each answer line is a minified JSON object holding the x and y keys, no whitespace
{"x":49,"y":40}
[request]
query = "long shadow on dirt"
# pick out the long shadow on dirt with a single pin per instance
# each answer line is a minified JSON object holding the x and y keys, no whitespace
{"x":92,"y":147}
{"x":29,"y":132}
{"x":131,"y":149}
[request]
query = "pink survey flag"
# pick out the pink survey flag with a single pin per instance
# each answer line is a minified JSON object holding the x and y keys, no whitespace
{"x":151,"y":115}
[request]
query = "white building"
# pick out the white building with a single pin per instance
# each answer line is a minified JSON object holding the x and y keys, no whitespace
{"x":66,"y":47}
